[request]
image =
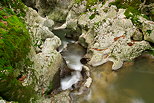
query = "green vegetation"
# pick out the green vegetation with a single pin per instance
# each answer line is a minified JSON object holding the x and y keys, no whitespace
{"x":15,"y":5}
{"x":14,"y":46}
{"x":14,"y":91}
{"x":14,"y":41}
{"x":132,"y":9}
{"x":92,"y":16}
{"x":149,"y":31}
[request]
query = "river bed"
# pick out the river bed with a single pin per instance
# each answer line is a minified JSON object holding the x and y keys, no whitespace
{"x":133,"y":83}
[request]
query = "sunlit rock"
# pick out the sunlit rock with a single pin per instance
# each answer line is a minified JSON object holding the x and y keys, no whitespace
{"x":111,"y":38}
{"x":148,"y":29}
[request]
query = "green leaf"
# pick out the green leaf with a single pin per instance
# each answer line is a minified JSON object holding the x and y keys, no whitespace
{"x":92,"y":16}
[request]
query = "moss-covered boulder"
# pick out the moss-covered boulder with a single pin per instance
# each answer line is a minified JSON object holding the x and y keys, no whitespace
{"x":14,"y":47}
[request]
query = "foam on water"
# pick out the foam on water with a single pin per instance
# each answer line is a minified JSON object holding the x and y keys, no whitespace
{"x":73,"y":62}
{"x":72,"y":55}
{"x":69,"y":81}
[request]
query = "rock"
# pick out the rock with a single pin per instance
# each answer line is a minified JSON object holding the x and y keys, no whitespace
{"x":72,"y":17}
{"x":55,"y":9}
{"x":2,"y":101}
{"x":58,"y":15}
{"x":89,"y":38}
{"x":47,"y":60}
{"x":109,"y":36}
{"x":137,"y":35}
{"x":148,"y":29}
{"x":88,"y":82}
{"x":62,"y":97}
{"x":44,"y":32}
{"x":49,"y":23}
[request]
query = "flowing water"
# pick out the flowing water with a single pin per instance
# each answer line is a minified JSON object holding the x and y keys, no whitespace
{"x":72,"y":53}
{"x":133,"y":83}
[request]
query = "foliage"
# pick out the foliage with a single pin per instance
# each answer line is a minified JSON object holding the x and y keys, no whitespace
{"x":92,"y":16}
{"x":132,"y":9}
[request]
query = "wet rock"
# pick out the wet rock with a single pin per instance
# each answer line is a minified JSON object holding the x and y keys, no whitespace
{"x":65,"y":71}
{"x":88,"y":82}
{"x":84,"y":60}
{"x":62,"y":97}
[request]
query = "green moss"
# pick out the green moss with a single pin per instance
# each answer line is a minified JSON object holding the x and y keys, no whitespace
{"x":151,"y":51}
{"x":149,"y":31}
{"x":14,"y":46}
{"x":15,"y":41}
{"x":14,"y":91}
{"x":16,"y":6}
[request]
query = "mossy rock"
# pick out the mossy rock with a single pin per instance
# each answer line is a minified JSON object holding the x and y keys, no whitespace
{"x":132,"y":9}
{"x":14,"y":40}
{"x":12,"y":90}
{"x":15,"y":44}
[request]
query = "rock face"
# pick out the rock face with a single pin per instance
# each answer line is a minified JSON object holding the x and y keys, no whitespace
{"x":62,"y":97}
{"x":55,"y":9}
{"x":109,"y":36}
{"x":148,"y":29}
{"x":108,"y":33}
{"x":43,"y":53}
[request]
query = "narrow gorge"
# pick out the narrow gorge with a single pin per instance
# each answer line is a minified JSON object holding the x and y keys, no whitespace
{"x":76,"y":51}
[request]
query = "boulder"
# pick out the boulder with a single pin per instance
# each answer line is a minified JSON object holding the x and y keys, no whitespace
{"x":47,"y":60}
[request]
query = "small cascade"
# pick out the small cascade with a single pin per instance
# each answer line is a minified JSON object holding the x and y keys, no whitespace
{"x":72,"y":53}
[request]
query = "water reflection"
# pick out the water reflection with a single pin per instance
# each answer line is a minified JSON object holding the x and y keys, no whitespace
{"x":131,"y":84}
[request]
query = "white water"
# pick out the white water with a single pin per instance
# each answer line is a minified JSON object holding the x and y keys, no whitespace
{"x":73,"y":62}
{"x":72,"y":53}
{"x":72,"y":56}
{"x":69,"y":81}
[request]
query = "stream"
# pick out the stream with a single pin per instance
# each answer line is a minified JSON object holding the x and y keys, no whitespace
{"x":72,"y":53}
{"x":133,"y":83}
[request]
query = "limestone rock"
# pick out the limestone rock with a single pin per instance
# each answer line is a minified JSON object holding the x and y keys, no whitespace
{"x":47,"y":60}
{"x":148,"y":29}
{"x":62,"y":97}
{"x":111,"y":36}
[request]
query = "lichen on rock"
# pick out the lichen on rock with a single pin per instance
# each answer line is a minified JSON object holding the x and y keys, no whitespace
{"x":108,"y":34}
{"x":43,"y":53}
